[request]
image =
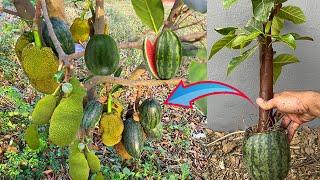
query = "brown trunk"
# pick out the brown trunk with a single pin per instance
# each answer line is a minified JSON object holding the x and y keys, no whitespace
{"x":56,"y":8}
{"x":266,"y":82}
{"x":99,"y":24}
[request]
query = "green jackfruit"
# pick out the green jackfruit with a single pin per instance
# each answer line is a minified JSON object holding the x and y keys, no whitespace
{"x":31,"y":136}
{"x":93,"y":161}
{"x":73,"y":148}
{"x":66,"y":118}
{"x":46,"y":86}
{"x":25,"y":39}
{"x":79,"y":168}
{"x":39,"y":63}
{"x":99,"y":176}
{"x":80,"y":30}
{"x":109,"y":140}
{"x":112,"y":127}
{"x":43,"y":111}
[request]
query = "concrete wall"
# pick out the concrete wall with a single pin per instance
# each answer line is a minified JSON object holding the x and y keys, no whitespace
{"x":230,"y":112}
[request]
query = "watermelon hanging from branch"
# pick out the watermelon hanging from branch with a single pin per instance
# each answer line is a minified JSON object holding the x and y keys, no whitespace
{"x":163,"y":58}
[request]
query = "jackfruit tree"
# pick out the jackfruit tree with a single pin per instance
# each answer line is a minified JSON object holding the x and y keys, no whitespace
{"x":73,"y":108}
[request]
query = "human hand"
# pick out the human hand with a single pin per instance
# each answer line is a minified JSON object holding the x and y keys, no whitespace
{"x":297,"y":107}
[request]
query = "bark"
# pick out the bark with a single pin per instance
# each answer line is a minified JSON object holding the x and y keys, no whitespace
{"x":24,"y":9}
{"x":99,"y":24}
{"x":56,"y":8}
{"x":266,"y":83}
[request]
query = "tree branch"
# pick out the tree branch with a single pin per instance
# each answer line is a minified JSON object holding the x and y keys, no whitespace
{"x":174,"y":14}
{"x":128,"y":82}
{"x":62,"y":55}
{"x":8,"y":11}
{"x":99,"y":24}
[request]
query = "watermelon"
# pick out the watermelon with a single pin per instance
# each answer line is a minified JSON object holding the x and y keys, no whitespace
{"x":150,"y":112}
{"x":92,"y":114}
{"x":168,"y":54}
{"x":102,"y":55}
{"x":132,"y":137}
{"x":149,"y":53}
{"x":63,"y":34}
{"x":267,"y":155}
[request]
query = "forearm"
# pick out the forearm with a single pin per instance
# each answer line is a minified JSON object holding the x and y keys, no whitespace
{"x":315,"y":102}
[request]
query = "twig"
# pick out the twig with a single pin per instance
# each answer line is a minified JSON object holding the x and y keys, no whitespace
{"x":127,"y":82}
{"x":188,"y":25}
{"x":224,"y":137}
{"x":57,"y":44}
{"x":8,"y":11}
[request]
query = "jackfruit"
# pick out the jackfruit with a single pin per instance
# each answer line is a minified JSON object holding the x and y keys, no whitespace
{"x":79,"y":168}
{"x":66,"y":118}
{"x":121,"y":150}
{"x":80,"y":30}
{"x":46,"y":86}
{"x":73,"y":148}
{"x":109,"y":140}
{"x":111,"y":124}
{"x":93,"y":161}
{"x":39,"y":63}
{"x":25,"y":39}
{"x":31,"y":136}
{"x":44,"y":108}
{"x":99,"y":176}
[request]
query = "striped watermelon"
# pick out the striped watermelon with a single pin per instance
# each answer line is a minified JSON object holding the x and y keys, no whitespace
{"x":267,"y":155}
{"x":164,"y":60}
{"x":150,"y":112}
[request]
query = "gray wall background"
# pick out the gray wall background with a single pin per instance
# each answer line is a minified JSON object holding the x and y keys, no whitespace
{"x":231,"y":112}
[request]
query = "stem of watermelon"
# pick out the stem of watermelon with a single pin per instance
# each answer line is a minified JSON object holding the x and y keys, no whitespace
{"x":109,"y":103}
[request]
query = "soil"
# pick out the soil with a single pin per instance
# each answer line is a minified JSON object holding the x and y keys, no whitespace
{"x":225,"y":156}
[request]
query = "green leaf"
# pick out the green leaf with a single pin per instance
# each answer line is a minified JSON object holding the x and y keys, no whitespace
{"x":284,"y":59}
{"x":287,"y":39}
{"x":254,"y":25}
{"x":268,"y":27}
{"x":262,"y":9}
{"x":243,"y":40}
{"x":151,"y":12}
{"x":238,"y":60}
{"x":279,"y":61}
{"x":292,"y":13}
{"x":280,"y":1}
{"x":276,"y":73}
{"x":198,"y":72}
{"x":228,"y":3}
{"x":299,"y":37}
{"x":225,"y":31}
{"x":221,"y":43}
{"x":277,"y":25}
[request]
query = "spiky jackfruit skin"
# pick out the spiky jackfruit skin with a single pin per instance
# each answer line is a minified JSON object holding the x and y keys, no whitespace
{"x":39,"y":63}
{"x":112,"y":127}
{"x":121,"y":150}
{"x":99,"y":176}
{"x":80,"y":30}
{"x":79,"y":168}
{"x":43,"y":111}
{"x":66,"y":118}
{"x":73,"y":148}
{"x":22,"y":42}
{"x":93,"y":162}
{"x":31,"y":136}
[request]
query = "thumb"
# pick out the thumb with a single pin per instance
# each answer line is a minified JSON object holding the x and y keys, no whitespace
{"x":266,"y":105}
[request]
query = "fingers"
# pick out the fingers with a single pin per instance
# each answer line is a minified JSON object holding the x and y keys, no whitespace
{"x":266,"y":105}
{"x":285,"y":122}
{"x":292,"y":129}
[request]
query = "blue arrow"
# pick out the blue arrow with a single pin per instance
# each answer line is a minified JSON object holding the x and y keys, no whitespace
{"x":184,"y":96}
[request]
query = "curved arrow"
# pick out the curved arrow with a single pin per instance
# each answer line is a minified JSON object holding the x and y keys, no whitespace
{"x":185,"y":95}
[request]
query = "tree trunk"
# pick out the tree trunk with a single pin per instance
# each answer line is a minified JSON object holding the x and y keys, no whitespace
{"x":56,"y":8}
{"x":99,"y":24}
{"x":266,"y":82}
